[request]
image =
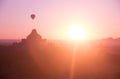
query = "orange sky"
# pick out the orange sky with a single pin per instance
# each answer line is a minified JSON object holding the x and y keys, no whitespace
{"x":101,"y":18}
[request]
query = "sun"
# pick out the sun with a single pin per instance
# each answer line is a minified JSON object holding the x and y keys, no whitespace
{"x":77,"y":33}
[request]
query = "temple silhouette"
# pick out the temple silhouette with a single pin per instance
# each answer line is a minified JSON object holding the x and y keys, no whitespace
{"x":32,"y":38}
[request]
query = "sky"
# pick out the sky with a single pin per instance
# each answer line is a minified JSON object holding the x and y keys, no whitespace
{"x":101,"y":18}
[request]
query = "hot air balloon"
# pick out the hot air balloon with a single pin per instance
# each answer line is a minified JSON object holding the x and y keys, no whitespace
{"x":32,"y":16}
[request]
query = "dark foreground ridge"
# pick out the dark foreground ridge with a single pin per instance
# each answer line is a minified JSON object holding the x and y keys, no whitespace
{"x":36,"y":58}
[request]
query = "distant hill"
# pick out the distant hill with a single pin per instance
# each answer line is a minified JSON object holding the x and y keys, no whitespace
{"x":7,"y":41}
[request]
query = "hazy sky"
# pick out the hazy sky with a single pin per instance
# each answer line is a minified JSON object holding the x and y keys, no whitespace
{"x":101,"y":18}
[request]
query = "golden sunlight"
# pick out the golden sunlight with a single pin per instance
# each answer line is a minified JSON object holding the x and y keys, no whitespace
{"x":77,"y":33}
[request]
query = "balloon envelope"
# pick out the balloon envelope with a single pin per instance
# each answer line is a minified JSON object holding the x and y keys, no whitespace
{"x":32,"y":16}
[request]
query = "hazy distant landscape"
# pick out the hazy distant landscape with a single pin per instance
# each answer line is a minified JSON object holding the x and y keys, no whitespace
{"x":36,"y":58}
{"x":8,"y":41}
